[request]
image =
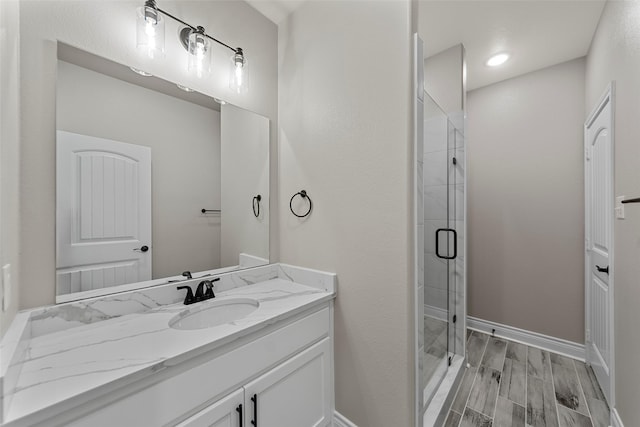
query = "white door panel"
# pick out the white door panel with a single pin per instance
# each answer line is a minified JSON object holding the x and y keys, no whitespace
{"x":294,"y":394}
{"x":103,"y":203}
{"x":598,"y":234}
{"x":226,"y":412}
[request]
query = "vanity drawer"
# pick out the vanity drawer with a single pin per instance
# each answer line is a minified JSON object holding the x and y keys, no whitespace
{"x":172,"y":400}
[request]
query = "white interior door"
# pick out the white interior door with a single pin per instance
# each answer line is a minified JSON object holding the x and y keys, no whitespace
{"x":103,"y":213}
{"x":599,"y":241}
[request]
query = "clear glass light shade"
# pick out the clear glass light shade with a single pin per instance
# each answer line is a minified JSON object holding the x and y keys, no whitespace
{"x":199,"y":54}
{"x":150,"y":31}
{"x":239,"y":73}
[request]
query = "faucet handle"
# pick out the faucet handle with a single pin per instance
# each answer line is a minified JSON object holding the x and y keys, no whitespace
{"x":209,"y":284}
{"x":188,"y":299}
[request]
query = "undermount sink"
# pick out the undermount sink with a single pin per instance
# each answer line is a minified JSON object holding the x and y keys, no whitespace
{"x":213,"y":313}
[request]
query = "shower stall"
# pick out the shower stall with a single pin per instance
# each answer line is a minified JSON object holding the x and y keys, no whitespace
{"x":440,"y":230}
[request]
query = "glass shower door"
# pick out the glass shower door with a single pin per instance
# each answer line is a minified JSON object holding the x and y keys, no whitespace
{"x":440,"y":245}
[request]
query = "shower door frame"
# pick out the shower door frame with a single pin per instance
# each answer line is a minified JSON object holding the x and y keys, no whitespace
{"x":459,"y":306}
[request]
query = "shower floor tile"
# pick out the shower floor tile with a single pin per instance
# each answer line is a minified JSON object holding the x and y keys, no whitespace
{"x":511,"y":384}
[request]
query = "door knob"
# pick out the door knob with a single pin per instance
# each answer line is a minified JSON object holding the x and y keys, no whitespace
{"x":144,"y":248}
{"x":603,"y":269}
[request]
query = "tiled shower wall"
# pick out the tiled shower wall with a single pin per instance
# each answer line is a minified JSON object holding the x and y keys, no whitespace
{"x":435,"y":211}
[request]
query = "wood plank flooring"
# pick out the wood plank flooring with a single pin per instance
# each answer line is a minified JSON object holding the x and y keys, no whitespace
{"x":512,"y":385}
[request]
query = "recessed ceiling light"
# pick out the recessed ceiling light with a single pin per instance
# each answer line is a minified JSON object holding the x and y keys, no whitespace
{"x":184,"y":88}
{"x":498,"y":59}
{"x":139,"y":71}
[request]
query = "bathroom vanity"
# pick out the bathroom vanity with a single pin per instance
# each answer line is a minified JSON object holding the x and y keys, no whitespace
{"x":259,"y":354}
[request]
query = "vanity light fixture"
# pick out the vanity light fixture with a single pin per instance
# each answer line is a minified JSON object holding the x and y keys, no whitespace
{"x":194,"y":39}
{"x":140,"y":72}
{"x":497,"y":59}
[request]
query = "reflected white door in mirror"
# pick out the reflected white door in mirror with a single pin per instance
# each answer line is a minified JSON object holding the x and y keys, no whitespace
{"x":103,"y":199}
{"x":152,"y":181}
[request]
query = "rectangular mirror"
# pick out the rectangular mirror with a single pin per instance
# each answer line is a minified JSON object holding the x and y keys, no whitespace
{"x":152,"y":180}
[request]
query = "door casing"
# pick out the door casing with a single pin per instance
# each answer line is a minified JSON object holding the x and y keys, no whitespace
{"x":607,"y":97}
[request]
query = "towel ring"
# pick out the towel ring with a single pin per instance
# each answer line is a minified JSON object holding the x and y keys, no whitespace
{"x":256,"y":205}
{"x":304,"y":195}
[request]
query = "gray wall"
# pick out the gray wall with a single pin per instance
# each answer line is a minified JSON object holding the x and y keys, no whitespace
{"x":615,"y":55}
{"x":444,"y":79}
{"x":245,"y":173}
{"x":526,"y":203}
{"x":9,"y":152}
{"x":344,"y":103}
{"x":185,"y":159}
{"x":107,"y":29}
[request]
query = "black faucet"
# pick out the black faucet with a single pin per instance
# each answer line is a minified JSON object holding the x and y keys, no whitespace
{"x":188,"y":299}
{"x":201,"y":294}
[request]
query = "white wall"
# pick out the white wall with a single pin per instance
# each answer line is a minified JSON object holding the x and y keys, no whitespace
{"x":615,"y":55}
{"x":9,"y":152}
{"x":107,"y":29}
{"x":245,"y":174}
{"x":344,"y":102}
{"x":185,"y":159}
{"x":526,"y":201}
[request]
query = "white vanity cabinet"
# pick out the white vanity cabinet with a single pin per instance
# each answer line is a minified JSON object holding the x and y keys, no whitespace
{"x":282,"y":376}
{"x":297,"y":393}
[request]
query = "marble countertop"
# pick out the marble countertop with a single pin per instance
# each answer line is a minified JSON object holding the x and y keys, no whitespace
{"x":87,"y":359}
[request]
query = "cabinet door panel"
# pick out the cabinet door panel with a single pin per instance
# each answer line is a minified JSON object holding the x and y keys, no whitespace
{"x":296,"y":393}
{"x":223,"y":413}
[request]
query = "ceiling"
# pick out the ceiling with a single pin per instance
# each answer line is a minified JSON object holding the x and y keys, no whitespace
{"x":536,"y":34}
{"x":275,"y":10}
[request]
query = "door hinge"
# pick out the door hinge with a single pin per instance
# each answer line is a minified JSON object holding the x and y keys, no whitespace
{"x":449,"y":360}
{"x":455,"y":317}
{"x":455,"y":161}
{"x":587,"y":335}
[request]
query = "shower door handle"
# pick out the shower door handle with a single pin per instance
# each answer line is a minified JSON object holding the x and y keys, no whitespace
{"x":455,"y":243}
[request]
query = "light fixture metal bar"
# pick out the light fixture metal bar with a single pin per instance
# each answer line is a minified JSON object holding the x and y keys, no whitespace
{"x":195,"y":29}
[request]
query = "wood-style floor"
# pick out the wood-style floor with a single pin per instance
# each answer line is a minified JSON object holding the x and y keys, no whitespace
{"x":512,"y":385}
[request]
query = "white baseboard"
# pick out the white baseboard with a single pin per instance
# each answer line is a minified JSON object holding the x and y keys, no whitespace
{"x":615,"y":419}
{"x":534,"y":339}
{"x":340,"y":420}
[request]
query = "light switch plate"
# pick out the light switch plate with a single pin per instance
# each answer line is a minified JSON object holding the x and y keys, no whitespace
{"x":6,"y":286}
{"x":619,"y":207}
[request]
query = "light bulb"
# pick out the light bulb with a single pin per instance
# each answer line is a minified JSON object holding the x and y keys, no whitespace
{"x":199,"y":49}
{"x":238,"y":81}
{"x":238,"y":72}
{"x":150,"y":31}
